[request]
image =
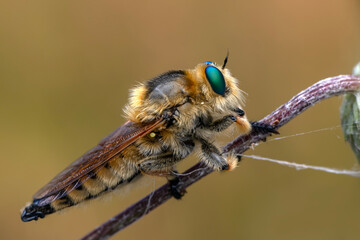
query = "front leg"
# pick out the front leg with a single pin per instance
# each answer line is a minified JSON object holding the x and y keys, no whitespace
{"x":221,"y":124}
{"x":263,"y":128}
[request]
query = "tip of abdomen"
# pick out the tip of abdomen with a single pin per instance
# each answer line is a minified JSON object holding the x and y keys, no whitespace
{"x":34,"y":212}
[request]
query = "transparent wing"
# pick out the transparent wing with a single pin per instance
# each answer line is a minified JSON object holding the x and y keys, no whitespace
{"x":109,"y":147}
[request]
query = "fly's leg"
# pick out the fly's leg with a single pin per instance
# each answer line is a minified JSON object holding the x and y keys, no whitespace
{"x":239,"y":112}
{"x":163,"y":165}
{"x":238,"y":117}
{"x":175,"y":189}
{"x":222,"y":124}
{"x":158,"y":165}
{"x":216,"y":160}
{"x":212,"y":156}
{"x":257,"y":127}
{"x":225,"y":122}
{"x":263,"y":128}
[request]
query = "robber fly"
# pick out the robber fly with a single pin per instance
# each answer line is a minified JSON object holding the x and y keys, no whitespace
{"x":167,"y":117}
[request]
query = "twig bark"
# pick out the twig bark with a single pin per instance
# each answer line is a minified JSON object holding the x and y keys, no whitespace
{"x":321,"y":90}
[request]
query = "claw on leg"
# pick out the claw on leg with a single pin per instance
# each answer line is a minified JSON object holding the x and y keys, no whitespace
{"x":232,"y":161}
{"x":174,"y":189}
{"x":263,"y":128}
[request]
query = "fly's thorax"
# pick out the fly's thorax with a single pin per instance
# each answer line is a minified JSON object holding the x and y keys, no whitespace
{"x":190,"y":91}
{"x":151,"y":99}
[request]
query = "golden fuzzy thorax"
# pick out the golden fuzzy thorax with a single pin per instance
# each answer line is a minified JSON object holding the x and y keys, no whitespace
{"x":194,"y":98}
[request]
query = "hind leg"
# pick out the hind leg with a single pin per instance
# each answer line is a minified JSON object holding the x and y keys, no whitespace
{"x":164,"y":165}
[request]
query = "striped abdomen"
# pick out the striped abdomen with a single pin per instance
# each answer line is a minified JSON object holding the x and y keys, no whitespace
{"x":115,"y":173}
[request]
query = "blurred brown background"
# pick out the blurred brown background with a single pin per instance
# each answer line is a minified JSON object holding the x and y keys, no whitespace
{"x":65,"y":71}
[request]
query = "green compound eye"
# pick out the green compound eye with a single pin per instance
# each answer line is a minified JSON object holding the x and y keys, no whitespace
{"x":216,"y":80}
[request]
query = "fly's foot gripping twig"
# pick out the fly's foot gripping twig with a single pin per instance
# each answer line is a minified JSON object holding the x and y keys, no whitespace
{"x":261,"y":128}
{"x":175,"y":189}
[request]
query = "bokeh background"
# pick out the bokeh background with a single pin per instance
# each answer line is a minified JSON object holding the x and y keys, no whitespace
{"x":65,"y":71}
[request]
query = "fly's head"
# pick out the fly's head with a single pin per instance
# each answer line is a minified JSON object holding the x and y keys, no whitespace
{"x":215,"y":88}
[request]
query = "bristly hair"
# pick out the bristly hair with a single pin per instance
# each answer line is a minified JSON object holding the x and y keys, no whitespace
{"x":225,"y":60}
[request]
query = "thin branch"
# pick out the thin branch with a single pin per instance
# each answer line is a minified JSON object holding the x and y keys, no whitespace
{"x":321,"y":90}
